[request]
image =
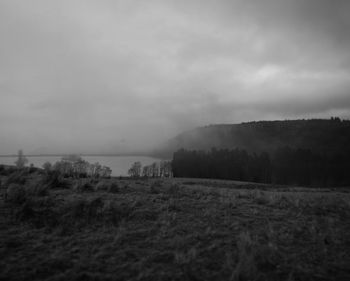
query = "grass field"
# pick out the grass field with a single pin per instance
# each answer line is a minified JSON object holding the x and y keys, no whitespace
{"x":171,"y":229}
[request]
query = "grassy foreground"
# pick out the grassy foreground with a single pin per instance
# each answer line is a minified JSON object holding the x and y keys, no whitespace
{"x":171,"y":229}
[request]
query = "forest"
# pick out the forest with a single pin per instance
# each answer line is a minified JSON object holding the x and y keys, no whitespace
{"x":318,"y":135}
{"x":285,"y":166}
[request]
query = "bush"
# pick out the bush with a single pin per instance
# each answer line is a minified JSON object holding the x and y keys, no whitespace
{"x":114,"y":213}
{"x":94,"y":180}
{"x":40,"y":211}
{"x":7,"y":170}
{"x":54,"y":180}
{"x":108,"y":187}
{"x":37,"y":189}
{"x":113,"y":188}
{"x":83,"y":187}
{"x":82,"y":212}
{"x":16,"y":193}
{"x":70,"y":215}
{"x":102,"y":186}
{"x":18,"y":177}
{"x":33,"y":169}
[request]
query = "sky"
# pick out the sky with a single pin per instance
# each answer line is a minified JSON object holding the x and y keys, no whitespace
{"x":108,"y":76}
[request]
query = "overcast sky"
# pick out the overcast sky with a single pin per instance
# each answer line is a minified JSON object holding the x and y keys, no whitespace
{"x":107,"y":75}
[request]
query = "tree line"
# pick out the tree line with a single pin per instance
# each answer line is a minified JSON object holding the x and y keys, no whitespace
{"x":320,"y":135}
{"x":154,"y":170}
{"x":286,"y":165}
{"x":69,"y":166}
{"x":76,"y":167}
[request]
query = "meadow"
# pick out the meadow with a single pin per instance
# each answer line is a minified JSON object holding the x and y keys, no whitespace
{"x":53,"y":228}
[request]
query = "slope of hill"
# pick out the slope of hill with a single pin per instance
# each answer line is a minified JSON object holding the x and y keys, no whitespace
{"x":319,"y":135}
{"x":169,"y":229}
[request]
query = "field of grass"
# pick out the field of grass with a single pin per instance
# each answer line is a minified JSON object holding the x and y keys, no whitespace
{"x":170,"y":229}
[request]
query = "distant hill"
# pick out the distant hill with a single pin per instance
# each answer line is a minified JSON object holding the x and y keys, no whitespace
{"x":320,"y":135}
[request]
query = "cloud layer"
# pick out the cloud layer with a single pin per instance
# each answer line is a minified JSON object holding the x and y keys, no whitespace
{"x":102,"y":76}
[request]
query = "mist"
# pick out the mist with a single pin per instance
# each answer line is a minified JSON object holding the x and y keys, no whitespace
{"x":123,"y":76}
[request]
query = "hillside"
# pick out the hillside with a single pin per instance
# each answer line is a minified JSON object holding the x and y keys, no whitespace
{"x":319,"y":135}
{"x":169,"y":229}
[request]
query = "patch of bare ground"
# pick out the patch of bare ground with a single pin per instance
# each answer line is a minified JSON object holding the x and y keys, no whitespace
{"x":172,"y":229}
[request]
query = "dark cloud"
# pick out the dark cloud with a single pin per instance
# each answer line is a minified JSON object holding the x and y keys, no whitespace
{"x":114,"y":75}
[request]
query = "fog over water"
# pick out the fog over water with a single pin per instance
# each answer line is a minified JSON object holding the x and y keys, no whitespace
{"x":116,"y":76}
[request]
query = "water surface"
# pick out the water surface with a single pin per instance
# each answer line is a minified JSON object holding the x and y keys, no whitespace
{"x":119,"y":164}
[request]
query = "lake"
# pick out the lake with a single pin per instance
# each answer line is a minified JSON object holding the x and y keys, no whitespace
{"x":119,"y":164}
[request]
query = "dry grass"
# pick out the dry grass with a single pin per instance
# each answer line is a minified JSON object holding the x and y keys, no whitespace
{"x":172,"y":230}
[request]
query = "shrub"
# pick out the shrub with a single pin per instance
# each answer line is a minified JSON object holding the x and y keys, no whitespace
{"x":113,"y":188}
{"x":102,"y":186}
{"x":47,"y":166}
{"x":88,"y":210}
{"x":114,"y":212}
{"x":16,"y":193}
{"x":40,"y":211}
{"x":106,"y":186}
{"x":18,"y":177}
{"x":78,"y":213}
{"x":82,"y":212}
{"x":7,"y":170}
{"x":37,"y":189}
{"x":55,"y":180}
{"x":83,"y":187}
{"x":32,"y":169}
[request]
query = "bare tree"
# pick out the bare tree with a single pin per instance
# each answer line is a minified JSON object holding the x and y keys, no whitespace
{"x":135,"y":170}
{"x":145,"y":171}
{"x":106,"y":172}
{"x":168,"y":171}
{"x":21,"y":160}
{"x":155,"y":169}
{"x":95,"y":169}
{"x":162,"y":165}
